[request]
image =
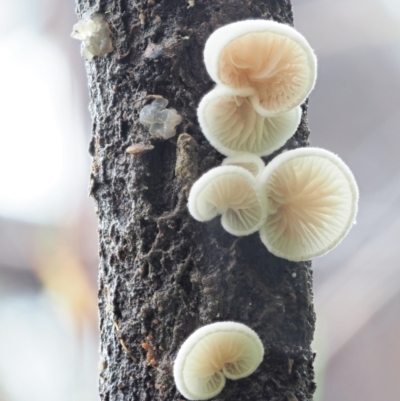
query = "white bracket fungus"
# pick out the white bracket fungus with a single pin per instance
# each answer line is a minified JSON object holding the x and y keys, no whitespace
{"x":312,"y":203}
{"x":272,"y":58}
{"x":232,"y":192}
{"x":248,"y":161}
{"x":95,"y":35}
{"x":215,"y":352}
{"x":160,"y":120}
{"x":232,"y":125}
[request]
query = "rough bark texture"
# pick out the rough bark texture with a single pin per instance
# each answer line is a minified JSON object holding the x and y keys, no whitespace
{"x":162,"y":274}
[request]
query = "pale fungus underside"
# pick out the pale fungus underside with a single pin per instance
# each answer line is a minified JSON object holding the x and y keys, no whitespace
{"x":215,"y":352}
{"x":264,"y":70}
{"x":272,"y":64}
{"x":312,"y":203}
{"x":248,"y":161}
{"x":232,"y":192}
{"x":271,"y":58}
{"x":232,"y":125}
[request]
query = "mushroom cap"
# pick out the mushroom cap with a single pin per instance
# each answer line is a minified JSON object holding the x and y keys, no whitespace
{"x":312,"y":201}
{"x":232,"y":124}
{"x":213,"y":352}
{"x":248,"y":161}
{"x":232,"y":192}
{"x":271,"y":57}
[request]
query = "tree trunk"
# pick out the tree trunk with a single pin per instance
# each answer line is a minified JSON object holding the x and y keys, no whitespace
{"x":163,"y":274}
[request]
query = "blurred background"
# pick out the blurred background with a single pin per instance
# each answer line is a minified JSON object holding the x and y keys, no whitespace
{"x":48,"y":244}
{"x":355,"y":112}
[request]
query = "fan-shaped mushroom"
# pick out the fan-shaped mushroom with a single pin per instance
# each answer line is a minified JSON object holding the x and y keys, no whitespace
{"x":213,"y":352}
{"x":232,"y":125}
{"x":232,"y":192}
{"x":272,"y":58}
{"x":312,"y":203}
{"x":248,"y":161}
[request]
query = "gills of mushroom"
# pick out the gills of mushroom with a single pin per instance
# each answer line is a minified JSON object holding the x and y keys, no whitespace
{"x":234,"y":193}
{"x":215,"y":352}
{"x":232,"y":125}
{"x":272,"y":58}
{"x":312,"y":202}
{"x":248,"y":161}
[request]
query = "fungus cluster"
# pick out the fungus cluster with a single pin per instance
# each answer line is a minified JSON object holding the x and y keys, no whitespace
{"x":94,"y":33}
{"x":305,"y":201}
{"x":213,"y":353}
{"x":264,"y":70}
{"x":160,"y":121}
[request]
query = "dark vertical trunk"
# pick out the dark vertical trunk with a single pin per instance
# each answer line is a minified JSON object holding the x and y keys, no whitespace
{"x":162,"y":274}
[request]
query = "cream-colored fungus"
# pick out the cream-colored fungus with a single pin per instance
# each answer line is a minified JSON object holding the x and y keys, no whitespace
{"x":248,"y":161}
{"x":232,"y":192}
{"x":272,"y":58}
{"x":230,"y":122}
{"x":215,"y":352}
{"x":312,"y":201}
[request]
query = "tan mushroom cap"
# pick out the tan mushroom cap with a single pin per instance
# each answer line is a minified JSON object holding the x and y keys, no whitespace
{"x":232,"y":192}
{"x":272,"y":58}
{"x":312,"y":203}
{"x":248,"y":161}
{"x":232,"y":125}
{"x":213,"y":352}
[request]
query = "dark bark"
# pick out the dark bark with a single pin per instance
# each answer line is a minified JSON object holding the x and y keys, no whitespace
{"x":162,"y":274}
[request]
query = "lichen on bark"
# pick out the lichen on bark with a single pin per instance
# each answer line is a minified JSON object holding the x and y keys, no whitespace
{"x":162,"y":274}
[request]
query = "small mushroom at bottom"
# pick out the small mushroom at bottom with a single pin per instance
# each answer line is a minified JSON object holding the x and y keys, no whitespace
{"x":215,"y":352}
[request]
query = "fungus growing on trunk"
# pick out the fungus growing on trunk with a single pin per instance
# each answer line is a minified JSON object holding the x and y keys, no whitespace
{"x":232,"y":125}
{"x":312,"y":201}
{"x":215,"y":352}
{"x":94,"y":33}
{"x":272,"y":58}
{"x":248,"y":161}
{"x":232,"y":192}
{"x":160,"y":121}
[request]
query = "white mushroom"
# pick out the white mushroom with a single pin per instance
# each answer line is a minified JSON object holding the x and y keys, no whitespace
{"x":213,"y":352}
{"x":312,"y":201}
{"x":232,"y":192}
{"x":248,"y":161}
{"x":270,"y":57}
{"x":230,"y":122}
